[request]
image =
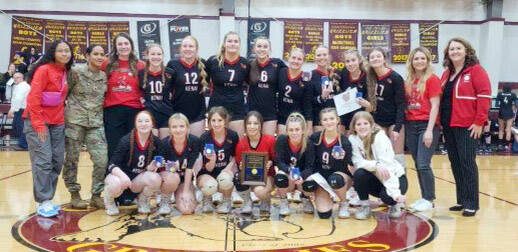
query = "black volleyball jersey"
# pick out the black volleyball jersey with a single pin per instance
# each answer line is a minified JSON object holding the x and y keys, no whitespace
{"x":505,"y":101}
{"x":288,"y":156}
{"x":228,"y":82}
{"x":185,"y":157}
{"x":295,"y":94}
{"x":223,"y":150}
{"x":186,"y":88}
{"x":346,"y":81}
{"x":263,"y":85}
{"x":318,"y":102}
{"x":325,"y":163}
{"x":140,"y":157}
{"x":156,"y":90}
{"x":390,"y":96}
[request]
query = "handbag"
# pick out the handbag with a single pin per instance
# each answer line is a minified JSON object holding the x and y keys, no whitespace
{"x":53,"y":98}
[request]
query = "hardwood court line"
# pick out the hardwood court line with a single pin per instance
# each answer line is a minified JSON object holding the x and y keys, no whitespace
{"x":226,"y":234}
{"x":483,"y":193}
{"x":14,"y":175}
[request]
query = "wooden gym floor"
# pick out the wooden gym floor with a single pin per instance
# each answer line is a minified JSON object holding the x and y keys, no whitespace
{"x":494,"y":228}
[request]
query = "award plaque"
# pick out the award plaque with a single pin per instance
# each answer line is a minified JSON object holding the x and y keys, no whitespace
{"x":253,"y":168}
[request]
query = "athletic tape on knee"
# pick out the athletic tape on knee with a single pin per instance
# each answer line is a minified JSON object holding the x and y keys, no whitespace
{"x":281,"y":180}
{"x":325,"y":215}
{"x":225,"y":181}
{"x":336,"y":181}
{"x":309,"y":186}
{"x":209,"y":187}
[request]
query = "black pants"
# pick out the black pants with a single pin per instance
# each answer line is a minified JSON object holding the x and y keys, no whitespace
{"x":119,"y":120}
{"x":366,"y":183}
{"x":462,"y":151}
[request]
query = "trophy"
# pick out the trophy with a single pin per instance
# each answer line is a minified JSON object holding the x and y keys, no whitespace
{"x":253,"y":168}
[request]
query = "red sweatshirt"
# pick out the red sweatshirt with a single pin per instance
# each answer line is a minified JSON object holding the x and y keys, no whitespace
{"x":47,"y":77}
{"x":266,"y":144}
{"x":123,"y":85}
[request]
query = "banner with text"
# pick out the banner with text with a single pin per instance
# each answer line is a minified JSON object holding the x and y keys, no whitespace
{"x":342,"y":37}
{"x":292,"y":37}
{"x":306,"y":35}
{"x":98,"y":34}
{"x":148,"y":33}
{"x":54,"y":29}
{"x":115,"y":28}
{"x":429,"y":38}
{"x":22,"y":37}
{"x":375,"y":35}
{"x":399,"y":42}
{"x":178,"y":29}
{"x":76,"y":36}
{"x":256,"y":28}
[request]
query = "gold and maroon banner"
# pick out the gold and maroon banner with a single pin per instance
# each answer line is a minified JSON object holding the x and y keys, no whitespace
{"x":22,"y":37}
{"x":342,"y":37}
{"x":429,"y":38}
{"x":54,"y":29}
{"x":375,"y":35}
{"x":116,"y":28}
{"x":399,"y":42}
{"x":98,"y":34}
{"x":312,"y":36}
{"x":292,"y":36}
{"x":76,"y":36}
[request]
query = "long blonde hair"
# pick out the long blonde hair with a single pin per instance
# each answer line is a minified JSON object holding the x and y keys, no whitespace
{"x":367,"y":141}
{"x":199,"y":63}
{"x":411,"y":73}
{"x":181,"y":117}
{"x":292,"y":51}
{"x":372,"y":77}
{"x":297,"y":117}
{"x":321,"y":115}
{"x":162,"y":72}
{"x":220,"y":56}
{"x":333,"y":76}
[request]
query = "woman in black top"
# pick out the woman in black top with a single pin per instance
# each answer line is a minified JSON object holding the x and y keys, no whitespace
{"x":131,"y":169}
{"x":389,"y":106}
{"x":505,"y":101}
{"x":229,"y":73}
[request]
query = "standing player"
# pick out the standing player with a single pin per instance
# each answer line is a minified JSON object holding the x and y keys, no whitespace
{"x":389,"y":106}
{"x":263,"y":84}
{"x":131,"y":170}
{"x":293,"y":151}
{"x":505,"y":101}
{"x":323,"y":91}
{"x":295,"y":92}
{"x":189,"y":83}
{"x":182,"y":149}
{"x":229,"y":73}
{"x":218,"y":168}
{"x":155,"y":84}
{"x":332,"y":161}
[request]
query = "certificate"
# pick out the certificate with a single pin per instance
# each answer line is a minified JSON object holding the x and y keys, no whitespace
{"x":346,"y":102}
{"x":253,"y":168}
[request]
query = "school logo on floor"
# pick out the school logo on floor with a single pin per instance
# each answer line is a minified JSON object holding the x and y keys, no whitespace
{"x":90,"y":230}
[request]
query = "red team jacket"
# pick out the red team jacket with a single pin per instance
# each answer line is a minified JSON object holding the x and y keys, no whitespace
{"x":471,"y":96}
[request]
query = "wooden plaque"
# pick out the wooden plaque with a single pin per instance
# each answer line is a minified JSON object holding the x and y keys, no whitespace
{"x":253,"y":168}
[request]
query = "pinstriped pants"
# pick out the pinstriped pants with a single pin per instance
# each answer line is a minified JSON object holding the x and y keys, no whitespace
{"x":462,"y":153}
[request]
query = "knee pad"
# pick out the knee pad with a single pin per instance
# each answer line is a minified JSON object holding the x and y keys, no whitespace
{"x":225,"y":181}
{"x":325,"y":215}
{"x":309,"y":186}
{"x":281,"y":180}
{"x":336,"y":181}
{"x":238,"y":185}
{"x":209,"y":187}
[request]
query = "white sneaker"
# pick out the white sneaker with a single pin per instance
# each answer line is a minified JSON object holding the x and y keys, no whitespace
{"x":236,"y":198}
{"x":198,"y":194}
{"x":363,"y":213}
{"x":307,"y":206}
{"x":514,"y":130}
{"x":143,"y":204}
{"x":296,"y":196}
{"x":110,"y":206}
{"x":289,"y":196}
{"x":173,"y":199}
{"x":265,"y":206}
{"x":253,"y":197}
{"x":247,"y":202}
{"x":423,"y":205}
{"x":217,"y":198}
{"x":224,"y":207}
{"x":158,"y":198}
{"x":164,"y":205}
{"x":343,"y":211}
{"x":284,"y":207}
{"x":207,"y":206}
{"x":352,"y":197}
{"x":395,"y":211}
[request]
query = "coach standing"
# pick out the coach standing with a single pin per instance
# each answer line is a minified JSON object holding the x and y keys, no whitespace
{"x":464,"y":110}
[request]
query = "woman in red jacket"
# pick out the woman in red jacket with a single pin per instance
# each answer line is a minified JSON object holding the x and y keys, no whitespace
{"x":123,"y":96}
{"x":45,"y":122}
{"x":463,"y":112}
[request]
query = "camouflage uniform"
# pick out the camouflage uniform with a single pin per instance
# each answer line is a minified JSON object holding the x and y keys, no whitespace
{"x":84,"y":125}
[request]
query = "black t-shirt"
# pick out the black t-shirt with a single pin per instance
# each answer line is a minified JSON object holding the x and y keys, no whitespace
{"x":140,"y":157}
{"x":186,"y":89}
{"x":156,"y":90}
{"x":262,"y":92}
{"x":223,"y":150}
{"x":318,"y":102}
{"x":390,"y":95}
{"x":325,"y":163}
{"x":295,"y":95}
{"x":287,"y":156}
{"x":446,"y":100}
{"x":186,"y":157}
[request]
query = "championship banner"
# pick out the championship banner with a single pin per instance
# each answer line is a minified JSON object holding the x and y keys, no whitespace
{"x":292,"y":36}
{"x":400,"y":42}
{"x":148,"y":32}
{"x":76,"y":36}
{"x":375,"y":35}
{"x":429,"y":38}
{"x":98,"y":34}
{"x":178,"y":29}
{"x":313,"y":36}
{"x":256,"y":28}
{"x":54,"y":29}
{"x":342,"y":37}
{"x":116,"y":28}
{"x":22,"y":37}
